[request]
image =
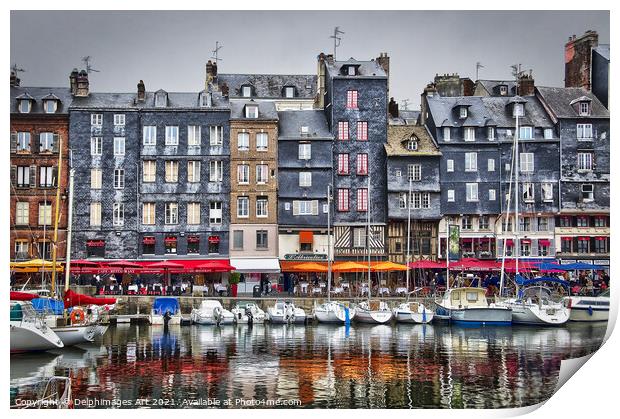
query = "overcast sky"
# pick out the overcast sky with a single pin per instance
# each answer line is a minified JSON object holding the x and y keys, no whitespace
{"x":169,"y":49}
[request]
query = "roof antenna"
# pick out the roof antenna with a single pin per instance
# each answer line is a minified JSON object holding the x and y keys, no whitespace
{"x":89,"y":68}
{"x":16,"y":69}
{"x":405,"y":104}
{"x":478,"y":67}
{"x":516,"y":72}
{"x":337,"y":39}
{"x":215,"y":55}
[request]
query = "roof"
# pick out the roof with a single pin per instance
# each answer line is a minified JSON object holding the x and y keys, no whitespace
{"x":266,"y":110}
{"x":603,"y":51}
{"x":176,"y":100}
{"x":37,"y":94}
{"x":405,"y":117}
{"x":270,"y":86}
{"x":486,"y":110}
{"x":399,"y":135}
{"x":290,"y":123}
{"x":558,"y":100}
{"x":492,"y":86}
{"x":365,"y":68}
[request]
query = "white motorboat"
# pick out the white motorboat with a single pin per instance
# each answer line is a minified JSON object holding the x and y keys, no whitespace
{"x":285,"y":312}
{"x":412,"y":312}
{"x":28,"y":331}
{"x":536,"y":307}
{"x":468,"y":305}
{"x":211,"y":312}
{"x":76,"y":328}
{"x":373,"y":311}
{"x":248,"y":313}
{"x":334,"y":312}
{"x":588,"y":308}
{"x":161,"y":306}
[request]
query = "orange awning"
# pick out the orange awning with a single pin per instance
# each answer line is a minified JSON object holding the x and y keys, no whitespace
{"x":305,"y":237}
{"x":292,"y":266}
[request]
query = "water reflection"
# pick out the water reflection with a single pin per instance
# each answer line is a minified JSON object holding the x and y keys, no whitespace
{"x":322,"y":366}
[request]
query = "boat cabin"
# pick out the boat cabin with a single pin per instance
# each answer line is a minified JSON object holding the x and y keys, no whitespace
{"x":467,"y":297}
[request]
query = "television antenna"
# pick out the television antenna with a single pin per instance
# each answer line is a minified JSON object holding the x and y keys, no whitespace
{"x":405,"y":104}
{"x":16,"y":69}
{"x":215,"y":55}
{"x":336,"y":38}
{"x":478,"y":67}
{"x":86,"y":60}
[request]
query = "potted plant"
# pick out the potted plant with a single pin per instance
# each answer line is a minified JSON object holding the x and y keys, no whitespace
{"x":233,"y":280}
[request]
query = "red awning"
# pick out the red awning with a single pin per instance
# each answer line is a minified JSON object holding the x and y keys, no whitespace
{"x":474,"y":264}
{"x":95,"y":243}
{"x":601,"y":238}
{"x":306,"y":237}
{"x":567,"y":239}
{"x":544,"y":242}
{"x":485,"y":239}
{"x":193,"y":239}
{"x":466,"y":240}
{"x":148,"y":240}
{"x":170,"y":239}
{"x":526,"y":241}
{"x":214,"y":239}
{"x":583,"y":239}
{"x":426,"y":264}
{"x":509,"y":242}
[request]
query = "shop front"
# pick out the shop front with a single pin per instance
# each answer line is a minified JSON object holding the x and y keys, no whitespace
{"x":255,"y":271}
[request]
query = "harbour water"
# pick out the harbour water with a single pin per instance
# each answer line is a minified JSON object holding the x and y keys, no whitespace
{"x":402,"y":366}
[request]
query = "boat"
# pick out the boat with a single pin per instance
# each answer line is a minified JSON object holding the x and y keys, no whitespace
{"x":412,"y":312}
{"x":373,"y":311}
{"x":334,"y":312}
{"x":468,"y":305}
{"x":585,"y":308}
{"x":211,"y":312}
{"x":285,"y":312}
{"x":535,"y":306}
{"x":28,"y":330}
{"x":161,"y":305}
{"x":76,"y":328}
{"x":248,"y":313}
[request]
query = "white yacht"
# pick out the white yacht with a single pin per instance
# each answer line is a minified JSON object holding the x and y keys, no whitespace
{"x":334,"y":312}
{"x":248,"y":313}
{"x":373,"y":311}
{"x":285,"y":312}
{"x":536,"y":307}
{"x":161,"y":305}
{"x":211,"y":312}
{"x":588,"y":309}
{"x":468,"y":305}
{"x":28,"y":331}
{"x":412,"y":312}
{"x":76,"y":328}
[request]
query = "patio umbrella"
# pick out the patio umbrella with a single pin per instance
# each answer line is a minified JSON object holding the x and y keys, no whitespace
{"x":35,"y":265}
{"x":349,"y":267}
{"x":548,"y":266}
{"x":165,"y":266}
{"x":426,"y":264}
{"x":215,"y":266}
{"x":310,"y":267}
{"x":79,"y":263}
{"x":388,"y":266}
{"x":582,"y":266}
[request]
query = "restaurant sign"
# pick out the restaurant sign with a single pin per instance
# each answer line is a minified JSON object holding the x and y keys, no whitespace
{"x":306,"y":256}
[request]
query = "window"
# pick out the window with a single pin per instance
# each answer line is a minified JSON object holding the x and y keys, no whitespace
{"x":343,"y":130}
{"x":148,"y":248}
{"x":526,"y":162}
{"x":262,"y":173}
{"x":161,"y":99}
{"x":243,"y":141}
{"x":525,"y":224}
{"x":149,"y":135}
{"x":343,"y":199}
{"x":398,"y":173}
{"x":119,"y":119}
{"x":528,"y":192}
{"x":472,"y":192}
{"x":466,"y":222}
{"x":148,"y":170}
{"x":251,"y":111}
{"x":148,"y":213}
{"x":22,"y":213}
{"x":600,"y":245}
{"x":193,"y":171}
{"x":119,"y":179}
{"x":193,"y":245}
{"x":362,"y":164}
{"x":119,"y":146}
{"x":565,"y":221}
{"x":547,"y":191}
{"x":289,"y":92}
{"x":600,"y":221}
{"x":359,"y":237}
{"x":450,"y":165}
{"x":492,"y":195}
{"x":45,"y":213}
{"x":587,"y":192}
{"x":46,"y":176}
{"x":243,"y":207}
{"x":193,"y":213}
{"x":526,"y":133}
{"x":46,"y":141}
{"x":351,"y":70}
{"x":216,"y":135}
{"x":118,"y":214}
{"x":238,"y":239}
{"x":491,"y":165}
{"x":450,"y":195}
{"x":96,"y":119}
{"x":172,"y":171}
{"x":491,"y":133}
{"x":503,"y":90}
{"x":426,"y":200}
{"x":23,"y":176}
{"x":172,"y":213}
{"x":305,"y":179}
{"x":583,"y":245}
{"x":24,"y":106}
{"x":584,"y":131}
{"x":543,"y":249}
{"x":95,"y":214}
{"x":483,"y":222}
{"x":21,"y":249}
{"x":414,"y":172}
{"x":525,"y":248}
{"x":261,"y":239}
{"x":362,"y":199}
{"x":243,"y":174}
{"x":463,"y":112}
{"x":543,"y":224}
{"x":402,"y":200}
{"x":548,"y":133}
{"x":584,"y":161}
{"x":261,"y":141}
{"x":343,"y":164}
{"x":194,"y":135}
{"x":362,"y":131}
{"x":96,"y":146}
{"x":415,"y":200}
{"x":352,"y":97}
{"x":471,"y":162}
{"x":172,"y":135}
{"x":215,"y":212}
{"x":446,"y":133}
{"x":584,"y":108}
{"x":215,"y":170}
{"x":246,"y":91}
{"x":469,"y":134}
{"x":306,"y":207}
{"x":305,"y":151}
{"x":23,"y":141}
{"x":518,"y":110}
{"x":262,"y":207}
{"x":412,"y":144}
{"x":582,"y":221}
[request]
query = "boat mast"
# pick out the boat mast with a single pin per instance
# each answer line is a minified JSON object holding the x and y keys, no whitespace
{"x":56,"y":216}
{"x":368,"y":231}
{"x":517,"y":163}
{"x":409,"y":230}
{"x":69,"y":231}
{"x":448,"y":253}
{"x":505,"y":222}
{"x":329,"y":246}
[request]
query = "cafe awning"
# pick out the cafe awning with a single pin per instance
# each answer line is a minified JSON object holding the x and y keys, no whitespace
{"x":306,"y":237}
{"x":293,"y":266}
{"x":256,"y":265}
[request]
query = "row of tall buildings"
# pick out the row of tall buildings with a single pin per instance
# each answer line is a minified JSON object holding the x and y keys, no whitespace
{"x":243,"y":168}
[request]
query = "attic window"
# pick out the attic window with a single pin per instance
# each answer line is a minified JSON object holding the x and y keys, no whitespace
{"x":251,"y":111}
{"x":289,"y":92}
{"x":161,"y":99}
{"x":50,"y":105}
{"x":246,"y":91}
{"x":584,"y":108}
{"x":412,"y":144}
{"x":518,"y":110}
{"x":351,"y":70}
{"x":503,"y":90}
{"x":206,"y":100}
{"x":463,"y":112}
{"x":24,"y":105}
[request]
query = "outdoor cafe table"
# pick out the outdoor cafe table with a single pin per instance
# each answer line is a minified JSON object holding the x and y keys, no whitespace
{"x":338,"y":290}
{"x":401,"y":290}
{"x":384,"y":290}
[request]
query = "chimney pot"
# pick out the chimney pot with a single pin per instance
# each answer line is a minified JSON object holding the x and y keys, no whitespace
{"x":141,"y":91}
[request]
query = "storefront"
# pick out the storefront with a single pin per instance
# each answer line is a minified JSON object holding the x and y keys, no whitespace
{"x":253,"y":270}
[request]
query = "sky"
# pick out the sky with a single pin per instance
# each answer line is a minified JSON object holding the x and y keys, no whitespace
{"x":169,"y":49}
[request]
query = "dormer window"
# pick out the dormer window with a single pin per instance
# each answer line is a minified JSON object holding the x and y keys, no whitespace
{"x":351,"y":70}
{"x":412,"y":144}
{"x":503,"y":90}
{"x":246,"y":91}
{"x":206,"y":99}
{"x":50,"y":105}
{"x":25,"y":106}
{"x":518,"y":110}
{"x":289,"y":92}
{"x":304,"y":130}
{"x":463,"y":112}
{"x":251,"y":111}
{"x":584,"y":108}
{"x":161,"y":99}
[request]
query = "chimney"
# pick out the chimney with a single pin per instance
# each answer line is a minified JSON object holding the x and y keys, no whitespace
{"x":224,"y":89}
{"x":82,"y":86}
{"x":141,"y":92}
{"x":384,"y":61}
{"x":73,"y":81}
{"x":330,"y":59}
{"x":577,"y":60}
{"x":393,"y":108}
{"x":429,"y":91}
{"x":467,"y":86}
{"x":320,"y":80}
{"x":211,"y":73}
{"x":526,"y":84}
{"x":14,"y":79}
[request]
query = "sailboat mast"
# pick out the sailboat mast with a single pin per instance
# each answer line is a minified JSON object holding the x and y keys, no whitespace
{"x":56,"y":216}
{"x":329,"y":245}
{"x":69,"y":231}
{"x":447,"y":253}
{"x":368,"y":229}
{"x":409,"y":230}
{"x":517,"y":163}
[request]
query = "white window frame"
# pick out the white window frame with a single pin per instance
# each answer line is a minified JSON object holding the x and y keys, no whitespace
{"x":251,"y":111}
{"x":590,"y":193}
{"x":262,"y":145}
{"x":305,"y":179}
{"x":23,"y":141}
{"x":171,"y":213}
{"x":96,"y":119}
{"x":95,"y":178}
{"x":193,"y":213}
{"x":171,"y":171}
{"x":246,"y":91}
{"x":216,"y":135}
{"x":119,"y":119}
{"x":304,"y":151}
{"x":471,"y":192}
{"x":547,"y":191}
{"x":584,"y":132}
{"x":148,"y":213}
{"x":45,"y":213}
{"x":450,"y":195}
{"x":46,"y":141}
{"x":243,"y":174}
{"x":491,"y":133}
{"x":585,"y":161}
{"x":463,"y":112}
{"x":492,"y":195}
{"x":172,"y":135}
{"x":548,"y":133}
{"x":243,"y":141}
{"x":584,"y":108}
{"x":449,"y":165}
{"x":447,"y":134}
{"x":28,"y":106}
{"x":95,"y":214}
{"x":527,"y":191}
{"x":53,"y":103}
{"x":359,"y":237}
{"x":243,"y":207}
{"x":149,"y":171}
{"x":471,"y":162}
{"x":119,"y":179}
{"x":22,"y":213}
{"x":118,"y":214}
{"x":262,"y":174}
{"x":194,"y":135}
{"x":526,"y":162}
{"x":149,"y":135}
{"x":469,"y":134}
{"x":193,"y":171}
{"x":262,"y":207}
{"x":216,"y":168}
{"x":119,"y":146}
{"x":491,"y":165}
{"x":215,"y":212}
{"x":518,"y":109}
{"x":526,"y":133}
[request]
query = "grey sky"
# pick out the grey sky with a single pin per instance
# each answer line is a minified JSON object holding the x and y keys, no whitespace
{"x":169,"y":49}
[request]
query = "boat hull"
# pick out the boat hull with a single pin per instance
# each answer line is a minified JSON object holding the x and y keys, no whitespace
{"x":373,"y":317}
{"x":479,"y":316}
{"x":74,"y":335}
{"x":280,"y":318}
{"x":333,"y":314}
{"x":27,"y":338}
{"x":410,"y":317}
{"x":158,"y":320}
{"x":207,"y":319}
{"x":587,"y":314}
{"x":533,"y":315}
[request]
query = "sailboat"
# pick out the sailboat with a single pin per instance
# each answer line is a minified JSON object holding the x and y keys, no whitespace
{"x":332,"y":311}
{"x":372,"y":311}
{"x":28,"y":330}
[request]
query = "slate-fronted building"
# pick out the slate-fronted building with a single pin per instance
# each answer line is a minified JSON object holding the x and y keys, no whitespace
{"x":582,"y":122}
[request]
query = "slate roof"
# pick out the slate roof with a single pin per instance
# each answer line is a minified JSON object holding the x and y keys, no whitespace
{"x":492,"y":86}
{"x":290,"y":123}
{"x":559,"y":99}
{"x":270,"y":86}
{"x":37,"y":94}
{"x":398,"y":135}
{"x":603,"y":50}
{"x":486,"y":110}
{"x":176,"y":100}
{"x":365,"y":68}
{"x":266,"y":110}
